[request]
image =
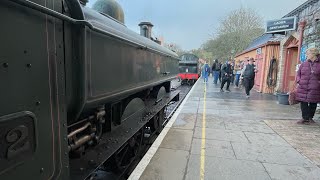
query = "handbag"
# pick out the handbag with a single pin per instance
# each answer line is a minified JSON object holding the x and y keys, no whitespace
{"x":292,"y":94}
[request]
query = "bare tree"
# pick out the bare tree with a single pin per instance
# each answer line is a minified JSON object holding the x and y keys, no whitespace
{"x":235,"y":33}
{"x":175,"y":48}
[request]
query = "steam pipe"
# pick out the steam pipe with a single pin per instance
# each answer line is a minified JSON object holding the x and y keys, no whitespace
{"x":79,"y":130}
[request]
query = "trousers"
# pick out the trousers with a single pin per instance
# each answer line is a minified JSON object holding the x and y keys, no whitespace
{"x":215,"y":76}
{"x":237,"y":80}
{"x":225,"y":80}
{"x":248,"y":84}
{"x":308,"y":110}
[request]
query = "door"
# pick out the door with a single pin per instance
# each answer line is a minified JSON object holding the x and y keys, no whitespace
{"x":290,"y":67}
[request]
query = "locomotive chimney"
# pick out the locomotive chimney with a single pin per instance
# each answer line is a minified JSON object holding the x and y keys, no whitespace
{"x":145,"y":29}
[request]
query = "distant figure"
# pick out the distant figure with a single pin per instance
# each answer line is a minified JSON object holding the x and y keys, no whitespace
{"x":232,"y":72}
{"x":220,"y":65}
{"x":205,"y":72}
{"x":248,"y":75}
{"x":226,"y":73}
{"x":308,"y":90}
{"x":238,"y":74}
{"x":215,"y":71}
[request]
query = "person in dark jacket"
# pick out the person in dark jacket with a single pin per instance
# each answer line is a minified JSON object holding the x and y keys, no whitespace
{"x":226,"y":73}
{"x":215,"y":71}
{"x":248,"y":75}
{"x":308,"y":90}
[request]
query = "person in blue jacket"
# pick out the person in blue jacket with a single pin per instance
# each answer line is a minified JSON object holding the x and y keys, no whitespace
{"x":205,"y":72}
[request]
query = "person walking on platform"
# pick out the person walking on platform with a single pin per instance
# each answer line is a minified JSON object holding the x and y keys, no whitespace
{"x":248,"y":75}
{"x":220,"y":65}
{"x":238,"y":74}
{"x":205,"y":72}
{"x":215,"y":71}
{"x":232,"y":72}
{"x":308,"y":90}
{"x":225,"y":75}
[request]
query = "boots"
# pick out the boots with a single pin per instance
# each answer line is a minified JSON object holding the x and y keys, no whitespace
{"x":303,"y":121}
{"x":311,"y":121}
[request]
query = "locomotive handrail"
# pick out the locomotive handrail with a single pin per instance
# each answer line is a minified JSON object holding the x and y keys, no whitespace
{"x":58,"y":15}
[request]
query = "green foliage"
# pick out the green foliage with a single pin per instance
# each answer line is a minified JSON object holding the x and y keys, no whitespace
{"x":202,"y":54}
{"x":234,"y":34}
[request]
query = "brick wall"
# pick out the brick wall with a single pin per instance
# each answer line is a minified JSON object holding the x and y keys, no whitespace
{"x":311,"y":36}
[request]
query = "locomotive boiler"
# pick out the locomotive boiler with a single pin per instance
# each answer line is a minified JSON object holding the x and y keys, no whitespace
{"x":78,"y":87}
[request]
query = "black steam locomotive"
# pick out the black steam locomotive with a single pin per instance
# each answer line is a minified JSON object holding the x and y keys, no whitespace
{"x":77,"y":88}
{"x":189,"y":71}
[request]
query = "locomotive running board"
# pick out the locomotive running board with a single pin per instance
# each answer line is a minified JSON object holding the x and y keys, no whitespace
{"x":94,"y":157}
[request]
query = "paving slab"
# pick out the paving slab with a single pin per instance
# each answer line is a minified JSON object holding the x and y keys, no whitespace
{"x":266,"y":139}
{"x":185,"y":121}
{"x":283,"y":172}
{"x":270,"y":154}
{"x":218,"y":124}
{"x":304,"y":138}
{"x":178,"y":139}
{"x":193,"y":104}
{"x":213,"y":148}
{"x":263,"y":128}
{"x":216,"y":107}
{"x":226,"y":169}
{"x":172,"y":167}
{"x":193,"y":110}
{"x":221,"y":134}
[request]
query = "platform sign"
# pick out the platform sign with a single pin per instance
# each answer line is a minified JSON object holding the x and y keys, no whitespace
{"x":280,"y":25}
{"x":303,"y":55}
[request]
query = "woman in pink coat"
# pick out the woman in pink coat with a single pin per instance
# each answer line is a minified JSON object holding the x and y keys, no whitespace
{"x":308,"y":90}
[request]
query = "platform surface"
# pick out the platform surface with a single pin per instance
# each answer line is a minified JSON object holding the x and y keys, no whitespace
{"x":225,"y":136}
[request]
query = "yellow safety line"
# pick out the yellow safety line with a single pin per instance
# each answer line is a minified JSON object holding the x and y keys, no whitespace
{"x":203,"y":138}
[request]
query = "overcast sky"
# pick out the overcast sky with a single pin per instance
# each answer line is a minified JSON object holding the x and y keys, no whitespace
{"x":189,"y":23}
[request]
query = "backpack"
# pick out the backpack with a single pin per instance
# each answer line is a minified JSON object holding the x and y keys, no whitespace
{"x":206,"y":69}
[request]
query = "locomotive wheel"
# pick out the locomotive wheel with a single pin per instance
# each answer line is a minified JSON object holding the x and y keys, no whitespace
{"x":128,"y":152}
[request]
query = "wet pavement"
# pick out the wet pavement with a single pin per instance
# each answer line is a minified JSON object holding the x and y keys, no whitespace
{"x":226,"y":136}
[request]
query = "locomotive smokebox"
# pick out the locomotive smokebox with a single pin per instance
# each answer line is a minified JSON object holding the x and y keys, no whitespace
{"x":145,"y":29}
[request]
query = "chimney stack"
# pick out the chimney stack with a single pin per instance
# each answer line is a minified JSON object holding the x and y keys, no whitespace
{"x":145,"y":29}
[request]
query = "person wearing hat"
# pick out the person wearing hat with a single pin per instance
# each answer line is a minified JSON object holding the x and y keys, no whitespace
{"x":248,"y":74}
{"x":226,"y":73}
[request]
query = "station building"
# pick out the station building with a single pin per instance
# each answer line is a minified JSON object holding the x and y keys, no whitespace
{"x":284,"y":43}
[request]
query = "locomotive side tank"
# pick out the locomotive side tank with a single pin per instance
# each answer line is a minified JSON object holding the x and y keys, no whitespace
{"x":118,"y":63}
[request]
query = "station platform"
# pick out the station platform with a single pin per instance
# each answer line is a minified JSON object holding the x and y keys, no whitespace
{"x":224,"y":136}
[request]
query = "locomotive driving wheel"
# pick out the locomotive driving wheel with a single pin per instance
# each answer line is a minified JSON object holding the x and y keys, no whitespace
{"x":158,"y":121}
{"x":128,"y":152}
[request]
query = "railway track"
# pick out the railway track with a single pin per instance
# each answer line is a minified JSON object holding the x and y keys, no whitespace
{"x":109,"y":172}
